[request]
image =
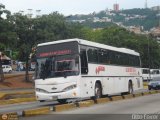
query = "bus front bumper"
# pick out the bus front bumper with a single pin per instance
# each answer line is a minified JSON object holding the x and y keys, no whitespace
{"x":54,"y":96}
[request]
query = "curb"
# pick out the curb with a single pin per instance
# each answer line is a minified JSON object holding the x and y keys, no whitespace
{"x":153,"y":92}
{"x":137,"y":94}
{"x":38,"y":111}
{"x":145,"y":93}
{"x":115,"y":98}
{"x":63,"y":107}
{"x":128,"y":96}
{"x":102,"y":100}
{"x":145,"y":87}
{"x":86,"y":103}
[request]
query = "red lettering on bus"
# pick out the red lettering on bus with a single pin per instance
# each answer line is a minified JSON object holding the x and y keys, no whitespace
{"x":133,"y":70}
{"x":62,"y":52}
{"x":100,"y":68}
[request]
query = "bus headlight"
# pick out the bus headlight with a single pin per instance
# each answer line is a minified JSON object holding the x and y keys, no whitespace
{"x":41,"y":90}
{"x":70,"y":87}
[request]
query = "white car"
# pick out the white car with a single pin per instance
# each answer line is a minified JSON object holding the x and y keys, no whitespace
{"x":7,"y":68}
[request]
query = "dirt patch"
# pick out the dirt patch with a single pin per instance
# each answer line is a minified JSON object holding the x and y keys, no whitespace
{"x":16,"y":82}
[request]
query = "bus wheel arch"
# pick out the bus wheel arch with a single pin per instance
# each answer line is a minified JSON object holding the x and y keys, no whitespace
{"x":130,"y":87}
{"x":97,"y":90}
{"x":62,"y":101}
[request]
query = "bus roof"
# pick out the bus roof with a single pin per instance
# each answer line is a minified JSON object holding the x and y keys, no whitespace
{"x":93,"y":44}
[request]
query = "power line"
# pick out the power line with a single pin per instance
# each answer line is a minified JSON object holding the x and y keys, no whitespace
{"x":146,"y":4}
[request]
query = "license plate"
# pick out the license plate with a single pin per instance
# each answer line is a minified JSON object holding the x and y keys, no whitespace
{"x":54,"y":98}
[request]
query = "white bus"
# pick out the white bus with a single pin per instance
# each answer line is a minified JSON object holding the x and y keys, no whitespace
{"x":150,"y":74}
{"x":146,"y":76}
{"x":76,"y":68}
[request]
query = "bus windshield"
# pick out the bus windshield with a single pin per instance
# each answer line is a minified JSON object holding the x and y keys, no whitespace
{"x":57,"y":66}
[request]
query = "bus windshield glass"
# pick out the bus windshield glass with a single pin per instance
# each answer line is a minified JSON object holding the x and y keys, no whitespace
{"x":57,"y":66}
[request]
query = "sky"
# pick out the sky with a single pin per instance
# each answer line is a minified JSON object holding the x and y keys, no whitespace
{"x":68,"y":7}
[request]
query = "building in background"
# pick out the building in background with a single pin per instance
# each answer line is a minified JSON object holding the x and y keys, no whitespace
{"x":116,"y":7}
{"x":155,"y":8}
{"x":146,"y":4}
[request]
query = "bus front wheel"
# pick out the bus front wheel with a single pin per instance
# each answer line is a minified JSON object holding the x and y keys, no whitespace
{"x":98,"y":91}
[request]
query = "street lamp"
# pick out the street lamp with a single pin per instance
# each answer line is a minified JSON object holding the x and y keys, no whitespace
{"x":38,"y":13}
{"x":1,"y":69}
{"x":149,"y":60}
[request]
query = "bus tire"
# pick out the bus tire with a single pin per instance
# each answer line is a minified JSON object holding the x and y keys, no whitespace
{"x":130,"y":87}
{"x":97,"y":91}
{"x":149,"y":88}
{"x":62,"y":101}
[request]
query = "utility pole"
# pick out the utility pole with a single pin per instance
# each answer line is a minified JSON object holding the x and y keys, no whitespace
{"x":1,"y":69}
{"x":146,"y":4}
{"x":38,"y":13}
{"x":29,"y":13}
{"x":149,"y":58}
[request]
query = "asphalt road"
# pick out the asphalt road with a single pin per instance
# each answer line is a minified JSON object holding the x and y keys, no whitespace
{"x":146,"y":107}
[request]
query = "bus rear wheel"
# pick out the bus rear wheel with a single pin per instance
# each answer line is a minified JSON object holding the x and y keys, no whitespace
{"x":130,"y":88}
{"x":62,"y":101}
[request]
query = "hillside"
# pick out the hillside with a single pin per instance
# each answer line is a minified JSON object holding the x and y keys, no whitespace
{"x":146,"y":18}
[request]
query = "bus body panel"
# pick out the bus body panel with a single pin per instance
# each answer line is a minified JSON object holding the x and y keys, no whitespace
{"x":54,"y":88}
{"x":114,"y":79}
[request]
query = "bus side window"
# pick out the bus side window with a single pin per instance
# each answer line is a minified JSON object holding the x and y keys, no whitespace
{"x":84,"y":64}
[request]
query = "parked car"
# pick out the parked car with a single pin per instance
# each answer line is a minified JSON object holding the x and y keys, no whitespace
{"x":155,"y":79}
{"x":7,"y":68}
{"x":154,"y":84}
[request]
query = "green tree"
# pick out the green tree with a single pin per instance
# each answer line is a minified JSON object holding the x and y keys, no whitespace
{"x":24,"y":28}
{"x":120,"y":37}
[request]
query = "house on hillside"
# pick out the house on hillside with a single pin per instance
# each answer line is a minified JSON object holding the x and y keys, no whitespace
{"x":135,"y":29}
{"x":155,"y":32}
